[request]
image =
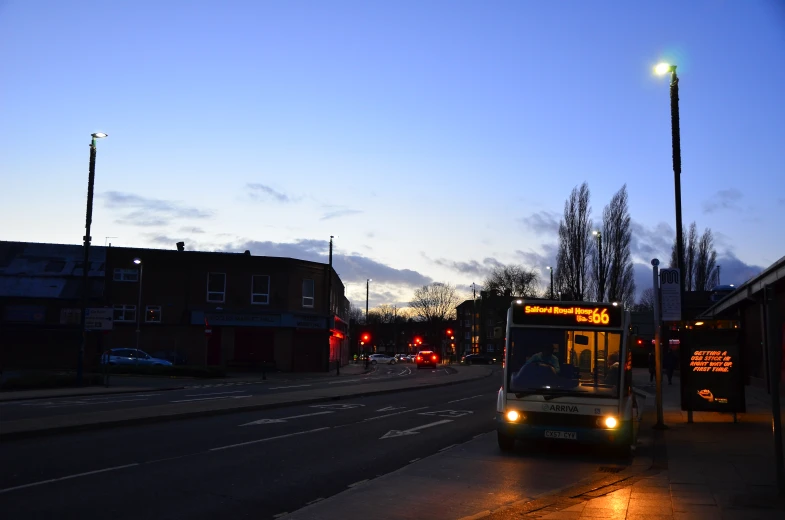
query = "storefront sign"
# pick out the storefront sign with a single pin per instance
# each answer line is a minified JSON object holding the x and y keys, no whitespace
{"x":711,"y":376}
{"x":24,"y":313}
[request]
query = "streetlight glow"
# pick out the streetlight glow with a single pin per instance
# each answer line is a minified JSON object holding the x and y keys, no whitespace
{"x":137,"y":261}
{"x":98,"y":135}
{"x":663,"y":68}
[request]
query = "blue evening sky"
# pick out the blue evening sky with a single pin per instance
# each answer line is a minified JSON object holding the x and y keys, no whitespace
{"x":434,"y":139}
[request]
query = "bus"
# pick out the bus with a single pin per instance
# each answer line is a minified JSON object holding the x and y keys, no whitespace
{"x":567,"y":375}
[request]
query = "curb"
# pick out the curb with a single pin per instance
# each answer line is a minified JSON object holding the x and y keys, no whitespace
{"x":208,"y":413}
{"x":92,"y":394}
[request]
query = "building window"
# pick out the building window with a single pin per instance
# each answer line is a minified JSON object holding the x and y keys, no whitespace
{"x":467,"y":323}
{"x":468,"y":336}
{"x":308,"y":297}
{"x":489,"y":334}
{"x":260,"y":289}
{"x":489,"y":322}
{"x":489,"y":347}
{"x":124,"y":313}
{"x":126,"y":275}
{"x":216,"y":287}
{"x":152,"y":314}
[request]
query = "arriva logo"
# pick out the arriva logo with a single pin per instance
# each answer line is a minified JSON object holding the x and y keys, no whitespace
{"x":559,"y":408}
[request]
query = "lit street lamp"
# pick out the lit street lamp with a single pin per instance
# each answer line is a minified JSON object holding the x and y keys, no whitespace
{"x":600,"y":274}
{"x":86,"y":261}
{"x":549,"y":268}
{"x":138,"y":261}
{"x":662,"y":69}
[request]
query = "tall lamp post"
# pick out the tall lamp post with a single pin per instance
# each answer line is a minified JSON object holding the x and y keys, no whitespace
{"x":549,"y":268}
{"x":138,"y":261}
{"x":86,"y":260}
{"x":367,"y":286}
{"x":662,"y":69}
{"x":601,"y":285}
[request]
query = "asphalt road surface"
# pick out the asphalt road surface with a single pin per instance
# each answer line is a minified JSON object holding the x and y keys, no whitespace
{"x":246,"y":465}
{"x":196,"y":392}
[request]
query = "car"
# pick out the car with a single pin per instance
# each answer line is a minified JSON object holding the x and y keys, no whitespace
{"x":426,"y":358}
{"x":132,"y":356}
{"x":402,"y":358}
{"x":383,"y":359}
{"x":478,"y":359}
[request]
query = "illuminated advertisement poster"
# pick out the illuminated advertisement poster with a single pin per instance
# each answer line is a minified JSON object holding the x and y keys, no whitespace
{"x":711,"y":374}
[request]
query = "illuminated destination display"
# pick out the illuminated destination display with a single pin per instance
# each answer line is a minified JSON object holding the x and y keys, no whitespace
{"x":589,"y":314}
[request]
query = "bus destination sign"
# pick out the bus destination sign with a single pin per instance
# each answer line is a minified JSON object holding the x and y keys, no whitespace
{"x":564,"y":314}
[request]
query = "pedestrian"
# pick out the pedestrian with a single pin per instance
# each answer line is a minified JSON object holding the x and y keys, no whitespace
{"x":669,"y":363}
{"x":652,"y":365}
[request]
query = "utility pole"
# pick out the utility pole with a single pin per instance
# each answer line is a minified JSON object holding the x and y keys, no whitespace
{"x":660,"y":425}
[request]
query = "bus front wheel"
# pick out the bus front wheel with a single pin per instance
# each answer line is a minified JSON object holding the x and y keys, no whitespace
{"x":506,"y":443}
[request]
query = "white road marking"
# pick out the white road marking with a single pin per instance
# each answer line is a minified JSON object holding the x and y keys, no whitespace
{"x":448,"y":447}
{"x":412,"y":431}
{"x":357,"y":483}
{"x":464,"y":399}
{"x":282,"y":387}
{"x":478,"y":435}
{"x":414,"y":460}
{"x":348,"y":381}
{"x":391,"y":414}
{"x":284,"y":419}
{"x":6,"y":490}
{"x":447,"y":413}
{"x":269,"y":439}
{"x":279,"y":515}
{"x":217,"y":393}
{"x":211,"y":398}
{"x":390,"y":408}
{"x":76,"y":403}
{"x":314,"y":501}
{"x":337,"y":406}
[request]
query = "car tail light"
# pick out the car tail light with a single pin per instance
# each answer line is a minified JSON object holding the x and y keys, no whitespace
{"x":419,"y":358}
{"x":434,"y":358}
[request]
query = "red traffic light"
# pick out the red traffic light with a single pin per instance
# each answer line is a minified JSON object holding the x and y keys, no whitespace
{"x":366,"y":337}
{"x":449,"y":332}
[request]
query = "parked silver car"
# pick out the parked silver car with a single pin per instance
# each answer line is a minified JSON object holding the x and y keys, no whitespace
{"x":383,"y":359}
{"x":131,"y":356}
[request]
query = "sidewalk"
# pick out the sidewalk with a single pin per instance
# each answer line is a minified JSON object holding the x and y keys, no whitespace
{"x":25,"y":428}
{"x":126,"y":383}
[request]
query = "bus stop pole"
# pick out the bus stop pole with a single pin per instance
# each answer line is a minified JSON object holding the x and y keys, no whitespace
{"x":657,"y":340}
{"x":774,"y":384}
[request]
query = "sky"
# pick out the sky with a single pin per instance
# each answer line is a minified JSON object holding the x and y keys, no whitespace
{"x":433,"y":139}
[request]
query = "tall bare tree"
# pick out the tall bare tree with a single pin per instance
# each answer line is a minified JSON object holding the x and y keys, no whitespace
{"x":646,"y":301}
{"x":517,"y":279}
{"x":356,"y":313}
{"x":435,"y":302}
{"x":699,"y":260}
{"x":615,"y":281}
{"x":574,"y":244}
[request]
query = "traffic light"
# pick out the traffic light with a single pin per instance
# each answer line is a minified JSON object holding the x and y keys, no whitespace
{"x":366,"y":337}
{"x":449,"y":332}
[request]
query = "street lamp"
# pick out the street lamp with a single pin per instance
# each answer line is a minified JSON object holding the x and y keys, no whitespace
{"x":662,"y":69}
{"x":549,"y":268}
{"x":367,"y":285}
{"x":86,"y":260}
{"x":138,"y":261}
{"x":600,"y":274}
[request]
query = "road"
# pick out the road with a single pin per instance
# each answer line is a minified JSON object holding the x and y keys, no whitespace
{"x":196,"y":392}
{"x":258,"y":464}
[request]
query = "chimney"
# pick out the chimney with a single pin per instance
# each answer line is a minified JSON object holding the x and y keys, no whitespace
{"x":247,"y":252}
{"x":181,"y":246}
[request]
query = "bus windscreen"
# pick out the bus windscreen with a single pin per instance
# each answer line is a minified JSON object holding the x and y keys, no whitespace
{"x":557,"y":362}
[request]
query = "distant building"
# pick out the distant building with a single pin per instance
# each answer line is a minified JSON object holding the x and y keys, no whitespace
{"x":227,"y":309}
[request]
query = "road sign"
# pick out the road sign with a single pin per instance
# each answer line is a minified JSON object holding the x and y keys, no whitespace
{"x":671,"y":295}
{"x":98,"y":319}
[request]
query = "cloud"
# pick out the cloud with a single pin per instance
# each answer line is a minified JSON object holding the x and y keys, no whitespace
{"x":543,"y":223}
{"x":260,"y":191}
{"x":352,"y":268}
{"x":146,"y":212}
{"x":734,"y":271}
{"x":648,"y":243}
{"x":723,"y":199}
{"x":195,"y":230}
{"x":339,"y":213}
{"x":472,"y":267}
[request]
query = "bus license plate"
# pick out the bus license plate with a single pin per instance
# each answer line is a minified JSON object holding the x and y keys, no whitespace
{"x":550,"y":434}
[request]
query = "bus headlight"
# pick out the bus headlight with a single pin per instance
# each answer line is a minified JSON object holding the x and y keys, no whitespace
{"x":610,"y":422}
{"x":513,"y":416}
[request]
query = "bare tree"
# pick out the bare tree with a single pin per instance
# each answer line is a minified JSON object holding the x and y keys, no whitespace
{"x":356,"y":313}
{"x":700,"y":273}
{"x":646,"y":301}
{"x":517,"y":279}
{"x":615,"y":281}
{"x":574,"y":245}
{"x":705,"y":263}
{"x":435,"y":302}
{"x":387,"y":313}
